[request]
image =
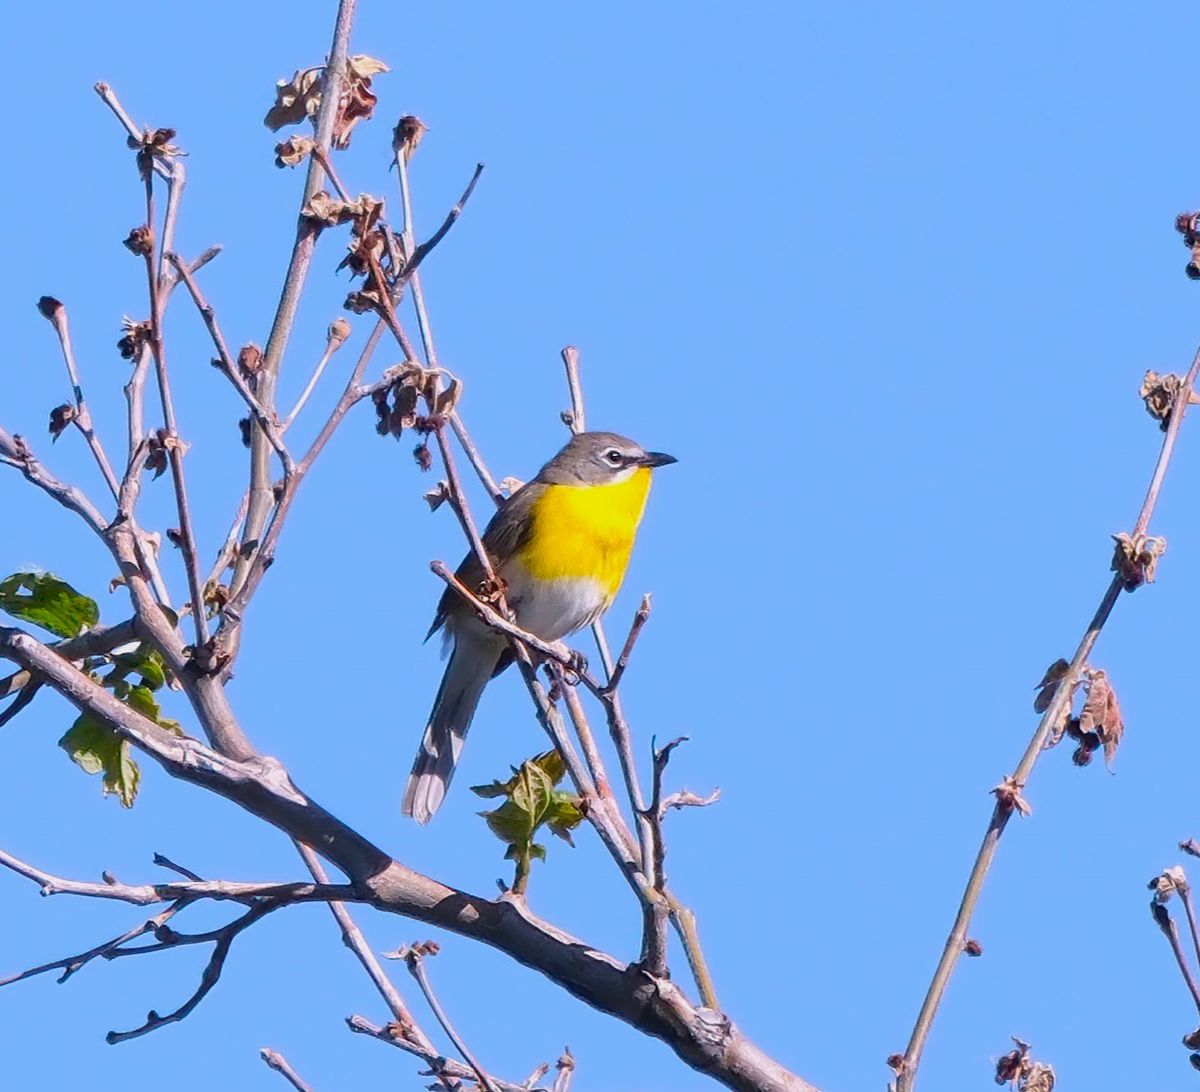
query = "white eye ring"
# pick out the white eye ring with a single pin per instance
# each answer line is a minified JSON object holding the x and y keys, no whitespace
{"x":613,"y":456}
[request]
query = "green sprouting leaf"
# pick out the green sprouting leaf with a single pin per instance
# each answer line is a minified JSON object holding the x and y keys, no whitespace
{"x":47,"y":601}
{"x":97,"y":749}
{"x":564,"y":815}
{"x":532,"y":792}
{"x":510,"y":823}
{"x":531,"y":801}
{"x":552,"y":765}
{"x":550,"y":762}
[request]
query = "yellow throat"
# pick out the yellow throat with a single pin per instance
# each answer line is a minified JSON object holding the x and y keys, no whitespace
{"x":586,"y":531}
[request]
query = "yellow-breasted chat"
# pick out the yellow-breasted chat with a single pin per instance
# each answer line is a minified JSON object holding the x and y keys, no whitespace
{"x":561,"y":545}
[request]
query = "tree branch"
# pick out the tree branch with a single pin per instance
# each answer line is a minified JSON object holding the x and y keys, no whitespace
{"x":1057,"y":709}
{"x":261,"y":494}
{"x":703,"y":1038}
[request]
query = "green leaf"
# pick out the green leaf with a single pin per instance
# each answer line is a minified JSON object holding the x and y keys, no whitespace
{"x":142,"y":700}
{"x":510,"y":823}
{"x":146,"y":662}
{"x":96,"y":748}
{"x":47,"y":601}
{"x":552,"y":765}
{"x":532,"y":792}
{"x":564,"y":815}
{"x":490,"y":792}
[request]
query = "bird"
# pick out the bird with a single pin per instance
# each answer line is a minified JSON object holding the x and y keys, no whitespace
{"x":560,"y":545}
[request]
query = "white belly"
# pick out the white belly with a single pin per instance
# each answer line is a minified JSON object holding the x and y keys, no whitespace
{"x":551,"y":609}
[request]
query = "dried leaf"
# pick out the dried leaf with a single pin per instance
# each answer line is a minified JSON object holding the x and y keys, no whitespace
{"x":328,"y":210}
{"x":296,"y":99}
{"x":407,"y":135}
{"x":60,"y":418}
{"x":1011,"y":1066}
{"x":1168,"y":882}
{"x":363,"y":67}
{"x":448,"y":398}
{"x":1008,"y":794}
{"x":293,"y":150}
{"x":249,"y":360}
{"x":1039,"y":1078}
{"x":358,"y":100}
{"x":1160,"y":392}
{"x":135,"y":336}
{"x":1101,"y":714}
{"x":1047,"y":688}
{"x":140,"y":241}
{"x":437,"y":496}
{"x":1136,"y":559}
{"x":1190,"y":847}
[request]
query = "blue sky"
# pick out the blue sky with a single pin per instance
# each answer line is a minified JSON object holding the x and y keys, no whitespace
{"x":886,"y":280}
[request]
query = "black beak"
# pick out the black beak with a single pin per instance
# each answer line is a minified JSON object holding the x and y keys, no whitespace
{"x":656,"y":458}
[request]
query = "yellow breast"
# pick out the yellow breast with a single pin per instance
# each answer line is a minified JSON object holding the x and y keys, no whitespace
{"x":586,"y":531}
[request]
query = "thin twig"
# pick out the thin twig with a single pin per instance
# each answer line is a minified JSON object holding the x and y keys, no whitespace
{"x":279,"y":1063}
{"x":1163,"y":919}
{"x":109,"y":96}
{"x":476,"y":459}
{"x":1185,"y":895}
{"x":229,"y":367}
{"x":71,"y":964}
{"x":640,"y":617}
{"x":172,"y":441}
{"x":420,"y":253}
{"x":414,"y":958}
{"x":261,"y":492}
{"x":1003,"y":809}
{"x":352,"y":937}
{"x":575,"y":419}
{"x":446,"y":1069}
{"x":334,"y":340}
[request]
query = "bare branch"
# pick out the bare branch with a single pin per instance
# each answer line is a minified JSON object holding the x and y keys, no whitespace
{"x":446,"y":1069}
{"x":171,"y":441}
{"x":352,"y":937}
{"x":74,"y":963}
{"x":339,"y":330}
{"x":414,"y":958}
{"x":420,"y":253}
{"x":229,"y":367}
{"x":640,"y":617}
{"x":261,"y":494}
{"x":190,"y":890}
{"x":1003,"y":809}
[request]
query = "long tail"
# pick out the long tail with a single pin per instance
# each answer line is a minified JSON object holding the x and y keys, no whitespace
{"x":471,"y":665}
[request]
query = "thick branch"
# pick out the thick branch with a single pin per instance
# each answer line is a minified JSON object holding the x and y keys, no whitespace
{"x":703,"y":1038}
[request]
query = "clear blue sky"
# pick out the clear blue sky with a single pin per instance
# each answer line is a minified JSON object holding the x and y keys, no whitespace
{"x":885,"y":278}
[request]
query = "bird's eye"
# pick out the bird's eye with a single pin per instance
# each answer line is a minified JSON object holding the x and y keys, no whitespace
{"x":613,"y":456}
